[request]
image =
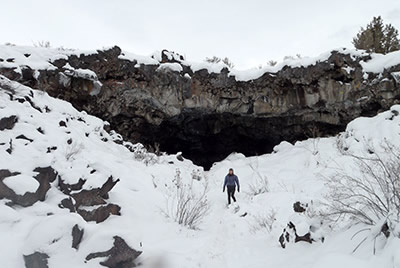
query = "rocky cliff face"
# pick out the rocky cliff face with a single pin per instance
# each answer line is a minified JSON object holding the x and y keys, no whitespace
{"x":172,"y":108}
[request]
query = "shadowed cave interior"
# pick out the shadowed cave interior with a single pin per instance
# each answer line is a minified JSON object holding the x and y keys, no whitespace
{"x":208,"y":138}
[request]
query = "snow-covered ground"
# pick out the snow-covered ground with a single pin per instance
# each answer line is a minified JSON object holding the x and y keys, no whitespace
{"x":227,"y":237}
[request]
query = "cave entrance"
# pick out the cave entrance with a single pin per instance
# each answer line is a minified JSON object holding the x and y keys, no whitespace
{"x":208,"y":138}
{"x":205,"y":150}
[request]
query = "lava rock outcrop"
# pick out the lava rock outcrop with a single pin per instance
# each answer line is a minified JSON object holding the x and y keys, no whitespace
{"x":170,"y":107}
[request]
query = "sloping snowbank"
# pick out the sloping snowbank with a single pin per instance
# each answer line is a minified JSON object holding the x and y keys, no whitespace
{"x":228,"y":237}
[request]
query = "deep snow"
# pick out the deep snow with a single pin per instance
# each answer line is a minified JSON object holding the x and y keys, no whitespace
{"x":223,"y":239}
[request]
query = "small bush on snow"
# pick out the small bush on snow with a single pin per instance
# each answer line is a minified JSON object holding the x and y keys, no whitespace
{"x":196,"y":174}
{"x":140,"y":153}
{"x":225,"y":61}
{"x":186,"y":206}
{"x":42,"y":43}
{"x":263,"y":222}
{"x":72,"y":150}
{"x":370,"y":194}
{"x":261,"y":184}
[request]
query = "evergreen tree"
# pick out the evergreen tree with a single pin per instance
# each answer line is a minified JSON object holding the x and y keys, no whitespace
{"x":391,"y":42}
{"x":377,"y":37}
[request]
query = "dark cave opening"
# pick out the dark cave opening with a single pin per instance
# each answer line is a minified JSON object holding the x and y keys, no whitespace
{"x":208,"y":138}
{"x":205,"y":150}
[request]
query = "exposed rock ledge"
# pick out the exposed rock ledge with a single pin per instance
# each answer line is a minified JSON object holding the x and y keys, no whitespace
{"x":209,"y":115}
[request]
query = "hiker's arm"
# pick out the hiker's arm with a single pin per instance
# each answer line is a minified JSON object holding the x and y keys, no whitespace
{"x":237,"y":183}
{"x":225,"y":181}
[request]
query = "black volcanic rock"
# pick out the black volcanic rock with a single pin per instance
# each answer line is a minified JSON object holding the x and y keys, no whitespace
{"x":119,"y":256}
{"x":8,"y":122}
{"x":89,"y":198}
{"x":94,"y":196}
{"x":299,"y":207}
{"x":67,"y":188}
{"x":36,"y":260}
{"x":45,"y":176}
{"x":77,"y":235}
{"x":101,"y":213}
{"x":206,"y":116}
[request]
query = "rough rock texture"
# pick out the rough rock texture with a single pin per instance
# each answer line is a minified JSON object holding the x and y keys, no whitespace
{"x":67,"y":188}
{"x":101,"y":213}
{"x":299,"y":207}
{"x":77,"y":235}
{"x":209,"y":115}
{"x":289,"y":234}
{"x":94,"y":196}
{"x":89,"y":198}
{"x":36,"y":260}
{"x":44,"y":177}
{"x":67,"y":203}
{"x":119,"y":256}
{"x":8,"y":122}
{"x":385,"y":230}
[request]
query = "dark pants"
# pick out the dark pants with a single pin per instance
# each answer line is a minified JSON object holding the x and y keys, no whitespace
{"x":231,"y":193}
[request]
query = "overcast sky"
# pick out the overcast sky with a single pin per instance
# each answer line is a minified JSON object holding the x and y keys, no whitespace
{"x":249,"y":32}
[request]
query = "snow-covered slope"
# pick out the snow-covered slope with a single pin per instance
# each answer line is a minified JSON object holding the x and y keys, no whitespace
{"x":76,"y":146}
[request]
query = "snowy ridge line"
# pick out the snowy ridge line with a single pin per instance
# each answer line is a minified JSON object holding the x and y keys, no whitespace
{"x":39,"y":58}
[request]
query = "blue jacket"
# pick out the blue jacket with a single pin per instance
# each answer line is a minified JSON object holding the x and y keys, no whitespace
{"x":231,"y":180}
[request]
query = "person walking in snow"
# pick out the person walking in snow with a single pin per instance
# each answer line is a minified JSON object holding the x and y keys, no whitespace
{"x":231,"y":180}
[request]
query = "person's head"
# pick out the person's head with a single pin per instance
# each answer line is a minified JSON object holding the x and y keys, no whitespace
{"x":231,"y":171}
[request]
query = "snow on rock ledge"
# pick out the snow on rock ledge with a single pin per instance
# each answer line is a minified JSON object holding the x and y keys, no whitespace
{"x":158,"y":99}
{"x":39,"y":58}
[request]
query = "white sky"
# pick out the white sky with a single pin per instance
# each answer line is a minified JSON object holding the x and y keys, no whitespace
{"x":249,"y":32}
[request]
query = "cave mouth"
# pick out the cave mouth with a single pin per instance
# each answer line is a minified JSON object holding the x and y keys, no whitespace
{"x":206,"y":150}
{"x":209,"y":138}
